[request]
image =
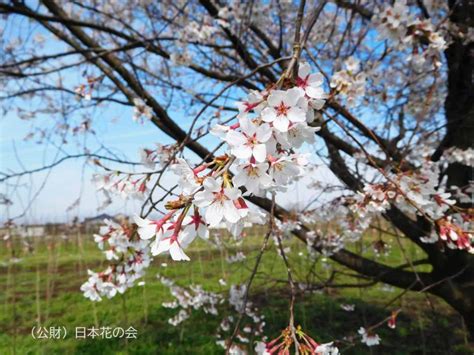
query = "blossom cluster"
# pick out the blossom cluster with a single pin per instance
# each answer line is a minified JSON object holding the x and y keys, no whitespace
{"x":415,"y":192}
{"x":271,"y":124}
{"x":251,"y":324}
{"x":187,"y":299}
{"x":161,"y":155}
{"x":129,"y":256}
{"x":350,"y":81}
{"x":465,"y":157}
{"x":285,"y":341}
{"x":327,"y":243}
{"x":396,"y":23}
{"x":343,"y":224}
{"x":127,"y":186}
{"x":454,"y":230}
{"x":195,"y":297}
{"x":419,"y":192}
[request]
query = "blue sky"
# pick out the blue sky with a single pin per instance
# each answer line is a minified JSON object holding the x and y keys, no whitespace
{"x":69,"y":180}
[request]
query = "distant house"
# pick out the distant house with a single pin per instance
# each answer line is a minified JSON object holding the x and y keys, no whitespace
{"x":92,"y":224}
{"x":121,"y":218}
{"x":98,"y":219}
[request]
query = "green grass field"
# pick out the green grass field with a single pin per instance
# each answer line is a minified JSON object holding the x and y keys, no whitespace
{"x":42,"y":289}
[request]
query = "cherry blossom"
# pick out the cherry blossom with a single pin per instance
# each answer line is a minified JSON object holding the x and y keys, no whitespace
{"x":249,"y":141}
{"x":195,"y":225}
{"x":283,"y":109}
{"x":350,"y":82}
{"x":148,"y":229}
{"x":129,"y":257}
{"x":284,"y":169}
{"x":188,"y":179}
{"x":311,"y":83}
{"x":209,"y":67}
{"x":222,"y":203}
{"x":255,"y":102}
{"x":305,"y":345}
{"x":369,"y":338}
{"x":254,"y":177}
{"x":140,"y":110}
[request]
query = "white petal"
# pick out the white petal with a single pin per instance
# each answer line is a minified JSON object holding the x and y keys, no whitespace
{"x":281,"y":123}
{"x":203,"y":232}
{"x":219,"y":131}
{"x":265,"y":180}
{"x":147,"y":232}
{"x":177,"y":253}
{"x":212,"y":184}
{"x":231,"y":213}
{"x":310,"y":115}
{"x":187,"y":236}
{"x":240,"y":178}
{"x":260,"y":152}
{"x":203,"y":198}
{"x":242,"y":151}
{"x":317,"y":104}
{"x":268,"y":114}
{"x":159,"y":247}
{"x":247,"y":126}
{"x":316,"y":79}
{"x":303,"y":70}
{"x":264,"y":132}
{"x":232,"y":193}
{"x":214,"y":214}
{"x":276,"y":97}
{"x":141,"y":221}
{"x":295,"y":114}
{"x":252,"y":185}
{"x":234,"y":138}
{"x":292,"y":96}
{"x":315,"y":92}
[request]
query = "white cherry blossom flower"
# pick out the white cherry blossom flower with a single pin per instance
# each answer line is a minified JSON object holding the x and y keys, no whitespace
{"x":326,"y":349}
{"x":254,"y":102}
{"x":250,"y":140}
{"x":312,"y":85}
{"x":187,"y":178}
{"x":297,"y":135}
{"x":148,"y":229}
{"x":147,"y":158}
{"x":221,"y":202}
{"x":220,"y":131}
{"x":283,"y":109}
{"x":283,"y":170}
{"x":173,"y":244}
{"x":195,"y":226}
{"x":256,"y":216}
{"x":90,"y":288}
{"x":253,"y":176}
{"x":368,"y":338}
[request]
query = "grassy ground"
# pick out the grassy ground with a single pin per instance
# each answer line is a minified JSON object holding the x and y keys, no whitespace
{"x":42,"y":289}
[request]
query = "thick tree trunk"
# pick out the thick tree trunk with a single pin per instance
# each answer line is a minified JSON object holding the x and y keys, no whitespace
{"x":459,"y":107}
